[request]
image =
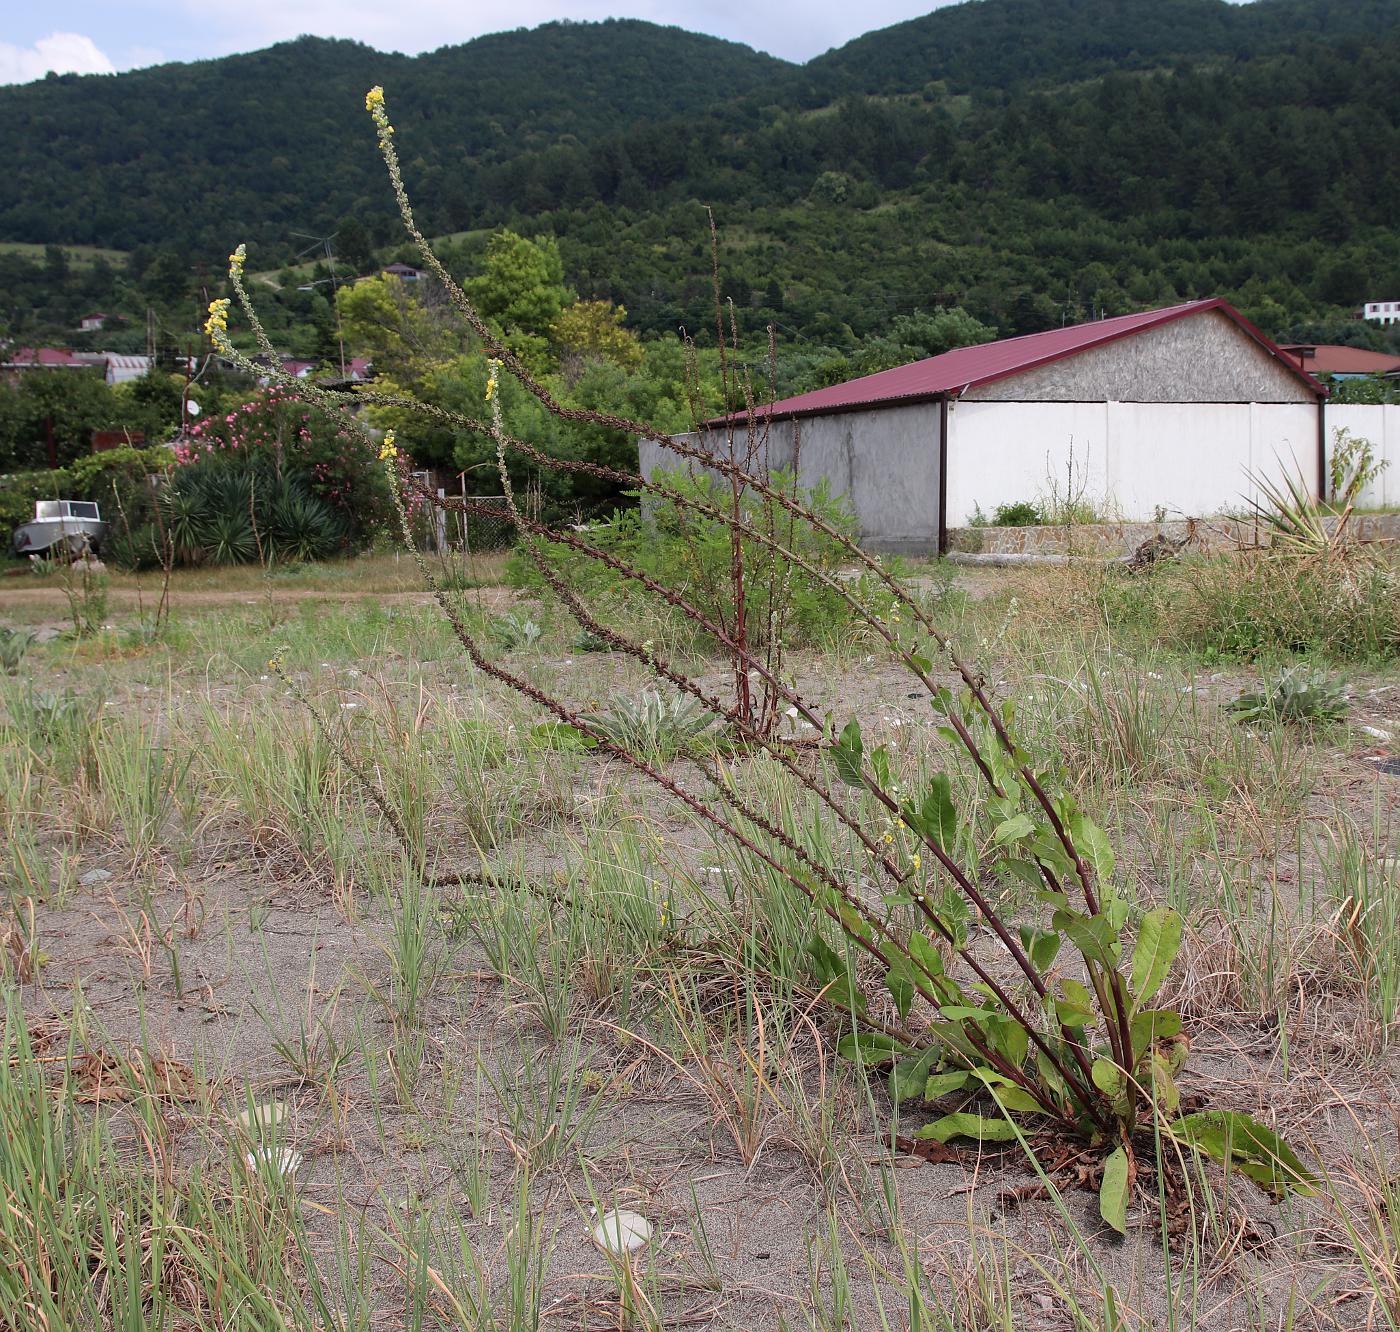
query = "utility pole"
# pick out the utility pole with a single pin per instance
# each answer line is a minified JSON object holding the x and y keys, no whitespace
{"x":325,"y":243}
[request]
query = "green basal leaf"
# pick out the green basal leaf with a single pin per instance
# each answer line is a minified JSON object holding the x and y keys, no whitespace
{"x":1164,"y":1089}
{"x":940,"y":1084}
{"x":848,"y":753}
{"x":965,"y":1124}
{"x":1009,"y":1038}
{"x":1159,"y":939}
{"x":560,"y":735}
{"x":962,"y":1013}
{"x":1017,"y":1099}
{"x":1113,"y":1192}
{"x":871,"y":1047}
{"x":1108,"y":1077}
{"x":909,"y":1076}
{"x":1241,"y":1141}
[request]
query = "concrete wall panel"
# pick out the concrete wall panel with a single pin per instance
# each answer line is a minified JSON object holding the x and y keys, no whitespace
{"x":885,"y":461}
{"x":1381,"y":425}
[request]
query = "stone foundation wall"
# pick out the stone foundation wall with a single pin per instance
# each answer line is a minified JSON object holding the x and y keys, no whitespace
{"x":1111,"y":540}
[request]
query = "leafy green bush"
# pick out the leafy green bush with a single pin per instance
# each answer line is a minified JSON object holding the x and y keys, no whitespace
{"x":1020,"y":513}
{"x":692,"y":553}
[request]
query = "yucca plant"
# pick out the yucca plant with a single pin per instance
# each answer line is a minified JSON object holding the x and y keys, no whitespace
{"x":1041,"y":1019}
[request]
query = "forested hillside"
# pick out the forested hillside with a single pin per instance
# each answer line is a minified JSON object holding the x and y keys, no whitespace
{"x":1029,"y":160}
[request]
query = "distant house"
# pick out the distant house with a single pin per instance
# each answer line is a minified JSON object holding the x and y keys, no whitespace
{"x":1170,"y":410}
{"x":93,"y":323}
{"x":22,"y":360}
{"x":1381,"y":312}
{"x":402,"y":271}
{"x":116,"y":368}
{"x":1342,"y":362}
{"x":298,"y":369}
{"x":44,"y":358}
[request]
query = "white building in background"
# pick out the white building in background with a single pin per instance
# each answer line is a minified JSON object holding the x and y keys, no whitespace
{"x":116,"y":368}
{"x":1169,"y":411}
{"x":1381,"y":312}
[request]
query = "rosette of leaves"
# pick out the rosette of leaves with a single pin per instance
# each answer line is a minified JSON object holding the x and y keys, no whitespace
{"x":1297,"y":694}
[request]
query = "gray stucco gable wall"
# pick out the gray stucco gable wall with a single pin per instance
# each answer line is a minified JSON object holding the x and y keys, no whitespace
{"x":1205,"y":357}
{"x":885,"y":461}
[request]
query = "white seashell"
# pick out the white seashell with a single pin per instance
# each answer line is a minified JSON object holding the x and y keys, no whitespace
{"x":622,"y":1232}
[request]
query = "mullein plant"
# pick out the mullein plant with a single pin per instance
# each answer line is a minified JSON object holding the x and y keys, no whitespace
{"x":1002,"y":1025}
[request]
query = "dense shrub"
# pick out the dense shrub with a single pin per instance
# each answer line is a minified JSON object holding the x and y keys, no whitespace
{"x":327,"y":457}
{"x":692,"y":554}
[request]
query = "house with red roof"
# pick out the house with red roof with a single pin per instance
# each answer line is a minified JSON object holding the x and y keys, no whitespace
{"x":1342,"y":362}
{"x":1163,"y":412}
{"x":15,"y":361}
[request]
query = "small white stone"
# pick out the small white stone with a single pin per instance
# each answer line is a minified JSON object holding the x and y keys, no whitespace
{"x":282,"y":1161}
{"x":622,"y":1232}
{"x":95,"y":876}
{"x":1377,"y":732}
{"x":265,"y":1116}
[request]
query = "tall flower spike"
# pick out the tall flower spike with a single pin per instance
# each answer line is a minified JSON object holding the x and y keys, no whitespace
{"x":236,"y":261}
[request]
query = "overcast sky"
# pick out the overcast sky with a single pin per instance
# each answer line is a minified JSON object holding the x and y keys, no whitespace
{"x":99,"y":36}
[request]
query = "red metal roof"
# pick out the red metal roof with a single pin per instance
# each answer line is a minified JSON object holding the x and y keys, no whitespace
{"x":1333,"y":359}
{"x":956,"y":371}
{"x":44,"y":356}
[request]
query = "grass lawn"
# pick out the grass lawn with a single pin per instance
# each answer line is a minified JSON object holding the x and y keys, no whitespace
{"x":344,"y":994}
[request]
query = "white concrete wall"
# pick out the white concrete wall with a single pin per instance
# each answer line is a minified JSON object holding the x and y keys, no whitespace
{"x":1381,"y":425}
{"x":1129,"y":458}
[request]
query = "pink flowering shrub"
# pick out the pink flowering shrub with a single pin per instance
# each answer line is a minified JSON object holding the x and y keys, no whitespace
{"x":275,"y":428}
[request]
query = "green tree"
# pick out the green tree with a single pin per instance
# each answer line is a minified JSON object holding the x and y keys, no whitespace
{"x":521,"y":287}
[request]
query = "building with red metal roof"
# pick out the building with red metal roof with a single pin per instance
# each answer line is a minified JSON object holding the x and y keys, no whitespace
{"x":1169,"y":411}
{"x":1342,"y":362}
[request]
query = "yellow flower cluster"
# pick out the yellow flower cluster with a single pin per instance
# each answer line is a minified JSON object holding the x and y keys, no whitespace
{"x":374,"y":104}
{"x":491,"y":378}
{"x":388,"y":449}
{"x":236,"y":261}
{"x":218,"y":317}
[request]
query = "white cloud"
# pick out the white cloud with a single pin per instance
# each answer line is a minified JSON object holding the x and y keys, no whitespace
{"x":62,"y":52}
